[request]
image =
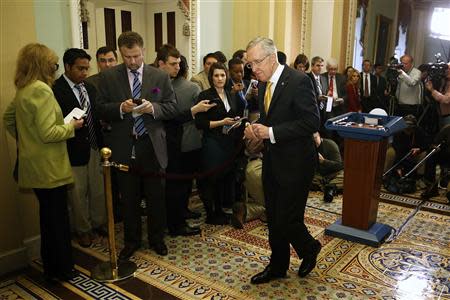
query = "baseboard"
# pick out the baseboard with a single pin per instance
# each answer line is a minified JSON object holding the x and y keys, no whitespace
{"x":19,"y":258}
{"x":13,"y":260}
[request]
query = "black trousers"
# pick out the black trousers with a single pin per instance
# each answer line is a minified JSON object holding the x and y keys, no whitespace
{"x":142,"y":180}
{"x":56,"y":250}
{"x":285,"y":209}
{"x":178,"y":190}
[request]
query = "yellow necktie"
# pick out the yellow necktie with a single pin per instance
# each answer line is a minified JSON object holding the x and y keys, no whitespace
{"x":267,"y":96}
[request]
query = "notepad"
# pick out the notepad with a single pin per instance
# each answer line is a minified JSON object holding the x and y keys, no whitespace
{"x":76,"y":113}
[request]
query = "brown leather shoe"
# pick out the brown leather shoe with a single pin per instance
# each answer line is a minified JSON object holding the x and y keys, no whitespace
{"x":239,"y":215}
{"x":84,"y":239}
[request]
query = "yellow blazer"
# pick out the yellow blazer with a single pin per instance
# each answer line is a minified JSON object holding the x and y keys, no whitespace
{"x":37,"y":118}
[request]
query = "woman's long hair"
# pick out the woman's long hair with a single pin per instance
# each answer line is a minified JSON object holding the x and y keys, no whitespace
{"x":35,"y":62}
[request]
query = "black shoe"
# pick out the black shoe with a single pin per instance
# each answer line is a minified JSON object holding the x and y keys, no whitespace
{"x":430,"y":192}
{"x":185,"y":230}
{"x":265,"y":276}
{"x":328,"y":193}
{"x":128,"y":251}
{"x":448,"y":197}
{"x":218,"y":219}
{"x":159,"y":247}
{"x":189,"y":214}
{"x":67,"y":276}
{"x":310,"y":259}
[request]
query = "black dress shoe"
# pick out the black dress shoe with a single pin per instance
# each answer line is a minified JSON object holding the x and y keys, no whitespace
{"x":310,"y":259}
{"x":127,"y":251}
{"x":67,"y":276}
{"x":189,"y":214}
{"x":185,"y":230}
{"x":430,"y":192}
{"x":160,"y":248}
{"x":267,"y":275}
{"x":328,"y":193}
{"x":217,"y":219}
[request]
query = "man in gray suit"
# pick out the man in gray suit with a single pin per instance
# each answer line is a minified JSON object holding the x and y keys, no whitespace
{"x":135,"y":98}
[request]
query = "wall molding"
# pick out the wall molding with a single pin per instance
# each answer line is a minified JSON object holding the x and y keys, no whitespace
{"x":19,"y":258}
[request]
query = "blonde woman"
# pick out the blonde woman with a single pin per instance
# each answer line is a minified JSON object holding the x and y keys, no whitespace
{"x":35,"y":119}
{"x":353,"y":96}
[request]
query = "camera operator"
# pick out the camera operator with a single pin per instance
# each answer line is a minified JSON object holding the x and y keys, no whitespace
{"x":443,"y":97}
{"x":409,"y":88}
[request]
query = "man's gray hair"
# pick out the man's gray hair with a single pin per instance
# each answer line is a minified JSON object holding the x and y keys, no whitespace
{"x":332,"y":62}
{"x":266,"y":44}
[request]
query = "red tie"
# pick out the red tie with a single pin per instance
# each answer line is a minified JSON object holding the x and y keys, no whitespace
{"x":366,"y":86}
{"x":330,"y":90}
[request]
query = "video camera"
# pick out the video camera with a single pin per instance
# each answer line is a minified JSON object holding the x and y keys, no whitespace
{"x":392,"y":69}
{"x":436,"y":71}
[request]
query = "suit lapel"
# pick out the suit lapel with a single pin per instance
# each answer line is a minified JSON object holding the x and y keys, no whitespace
{"x":124,"y":82}
{"x":146,"y":83}
{"x":281,"y":84}
{"x":72,"y":100}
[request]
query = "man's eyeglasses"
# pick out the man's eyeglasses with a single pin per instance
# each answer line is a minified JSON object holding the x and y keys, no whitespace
{"x":251,"y":65}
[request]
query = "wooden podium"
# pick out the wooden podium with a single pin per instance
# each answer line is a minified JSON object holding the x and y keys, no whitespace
{"x":365,"y":138}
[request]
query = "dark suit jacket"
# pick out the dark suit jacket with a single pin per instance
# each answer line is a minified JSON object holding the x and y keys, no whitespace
{"x":341,"y":92}
{"x":114,"y":88}
{"x":93,"y":80}
{"x":294,"y":117}
{"x":78,"y":147}
{"x":373,"y":85}
{"x":216,"y":146}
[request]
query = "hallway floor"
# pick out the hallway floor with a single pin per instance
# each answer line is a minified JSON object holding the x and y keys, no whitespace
{"x":414,"y":263}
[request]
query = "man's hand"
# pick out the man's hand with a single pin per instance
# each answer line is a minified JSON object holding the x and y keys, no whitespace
{"x":202,"y":106}
{"x":127,"y":106}
{"x":321,"y":159}
{"x":77,"y":124}
{"x":147,"y":107}
{"x":249,"y":133}
{"x":261,"y":131}
{"x":237,"y":87}
{"x":415,"y":151}
{"x":429,"y":86}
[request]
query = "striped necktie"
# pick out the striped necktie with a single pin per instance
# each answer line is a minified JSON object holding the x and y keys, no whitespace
{"x":139,"y":125}
{"x":267,"y":96}
{"x":85,"y":105}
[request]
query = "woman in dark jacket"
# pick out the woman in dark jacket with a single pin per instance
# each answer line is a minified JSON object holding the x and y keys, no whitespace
{"x":218,"y":146}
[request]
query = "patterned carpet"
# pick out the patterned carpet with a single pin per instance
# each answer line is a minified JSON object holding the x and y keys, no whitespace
{"x":414,"y":264}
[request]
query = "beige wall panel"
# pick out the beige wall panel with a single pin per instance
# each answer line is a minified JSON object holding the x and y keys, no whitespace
{"x":336,"y":43}
{"x":250,"y":19}
{"x":17,"y":29}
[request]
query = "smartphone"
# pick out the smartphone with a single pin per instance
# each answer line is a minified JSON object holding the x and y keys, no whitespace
{"x":137,"y":101}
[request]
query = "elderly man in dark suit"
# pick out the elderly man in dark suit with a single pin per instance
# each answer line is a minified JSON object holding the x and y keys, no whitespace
{"x":134,"y":98}
{"x":86,"y":199}
{"x":333,"y":85}
{"x":287,"y":123}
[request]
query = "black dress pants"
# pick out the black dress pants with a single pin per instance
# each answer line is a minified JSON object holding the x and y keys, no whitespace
{"x":285,"y":209}
{"x":145,"y":176}
{"x":56,"y":250}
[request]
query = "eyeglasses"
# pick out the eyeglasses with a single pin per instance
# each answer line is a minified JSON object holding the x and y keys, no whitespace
{"x":56,"y":67}
{"x":251,"y":65}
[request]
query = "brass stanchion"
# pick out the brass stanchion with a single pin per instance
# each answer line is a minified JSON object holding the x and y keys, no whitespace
{"x":111,"y":271}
